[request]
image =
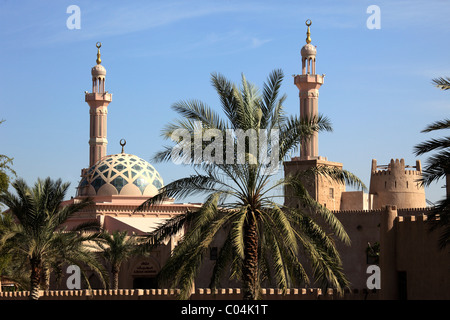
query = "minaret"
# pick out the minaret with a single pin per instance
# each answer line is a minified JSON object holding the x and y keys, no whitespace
{"x":325,"y":191}
{"x":308,"y":84}
{"x":98,"y":101}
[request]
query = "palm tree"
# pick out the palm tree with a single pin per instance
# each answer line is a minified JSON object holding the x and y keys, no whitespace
{"x":118,"y":247}
{"x":5,"y":166}
{"x":436,"y":168}
{"x":38,"y":238}
{"x":263,"y":237}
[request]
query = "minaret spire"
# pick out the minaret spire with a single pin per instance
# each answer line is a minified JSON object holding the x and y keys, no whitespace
{"x":308,"y":84}
{"x":98,"y":101}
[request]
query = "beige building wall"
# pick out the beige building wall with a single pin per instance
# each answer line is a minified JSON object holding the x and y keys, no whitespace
{"x":324,"y":190}
{"x":355,"y":200}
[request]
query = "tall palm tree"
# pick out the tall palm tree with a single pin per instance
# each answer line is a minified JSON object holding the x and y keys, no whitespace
{"x":263,"y":237}
{"x":37,"y":237}
{"x":436,"y":168}
{"x":5,"y":167}
{"x":118,"y":247}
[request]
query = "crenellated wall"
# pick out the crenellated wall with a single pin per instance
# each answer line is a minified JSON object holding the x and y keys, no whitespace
{"x":397,"y":184}
{"x":364,"y":227}
{"x":199,"y":294}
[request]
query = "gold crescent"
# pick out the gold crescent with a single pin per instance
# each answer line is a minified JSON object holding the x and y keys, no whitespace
{"x":308,"y":22}
{"x":98,"y":45}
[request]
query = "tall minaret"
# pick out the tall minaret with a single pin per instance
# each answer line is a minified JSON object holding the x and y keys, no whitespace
{"x":308,"y":84}
{"x":98,"y":101}
{"x":325,"y":191}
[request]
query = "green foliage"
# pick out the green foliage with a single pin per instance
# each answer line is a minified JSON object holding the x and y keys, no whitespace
{"x":437,"y":167}
{"x":263,"y":241}
{"x":442,"y":83}
{"x":118,"y":247}
{"x":33,"y":237}
{"x":5,"y":168}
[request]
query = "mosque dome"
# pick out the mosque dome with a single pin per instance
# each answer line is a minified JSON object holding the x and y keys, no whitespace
{"x":308,"y":50}
{"x":120,"y":174}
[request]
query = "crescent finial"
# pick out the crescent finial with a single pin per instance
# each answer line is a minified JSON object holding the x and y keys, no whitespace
{"x":123,"y":142}
{"x":98,"y":45}
{"x":308,"y":33}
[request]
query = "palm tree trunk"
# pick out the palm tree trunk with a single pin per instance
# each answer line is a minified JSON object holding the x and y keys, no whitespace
{"x":250,"y":267}
{"x":35,"y":278}
{"x":46,"y":275}
{"x":115,"y":278}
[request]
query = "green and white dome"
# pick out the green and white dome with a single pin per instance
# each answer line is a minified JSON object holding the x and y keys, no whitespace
{"x":120,"y":174}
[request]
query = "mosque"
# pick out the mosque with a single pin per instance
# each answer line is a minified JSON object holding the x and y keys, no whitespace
{"x":120,"y":182}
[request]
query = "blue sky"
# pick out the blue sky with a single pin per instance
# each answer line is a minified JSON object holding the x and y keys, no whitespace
{"x":377,"y":91}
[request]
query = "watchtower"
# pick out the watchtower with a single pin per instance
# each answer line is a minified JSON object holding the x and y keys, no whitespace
{"x":397,"y":184}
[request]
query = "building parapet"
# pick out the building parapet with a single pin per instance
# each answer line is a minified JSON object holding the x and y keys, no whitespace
{"x":401,"y":211}
{"x":388,"y":172}
{"x":371,"y":211}
{"x":198,"y":294}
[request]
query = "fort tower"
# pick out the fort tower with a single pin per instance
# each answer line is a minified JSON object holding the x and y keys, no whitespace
{"x":397,"y":184}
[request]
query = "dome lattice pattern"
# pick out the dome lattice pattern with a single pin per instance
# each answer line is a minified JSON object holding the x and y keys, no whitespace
{"x":121,"y":174}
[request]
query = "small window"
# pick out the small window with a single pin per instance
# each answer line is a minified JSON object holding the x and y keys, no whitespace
{"x":331,"y":193}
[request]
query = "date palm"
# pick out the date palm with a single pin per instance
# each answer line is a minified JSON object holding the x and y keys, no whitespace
{"x":116,"y":248}
{"x":36,"y":239}
{"x":438,"y":167}
{"x":263,"y":237}
{"x":5,"y":168}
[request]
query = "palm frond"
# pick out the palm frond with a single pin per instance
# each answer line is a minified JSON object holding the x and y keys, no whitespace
{"x":442,"y":83}
{"x":436,"y":167}
{"x":313,"y":207}
{"x":431,"y":145}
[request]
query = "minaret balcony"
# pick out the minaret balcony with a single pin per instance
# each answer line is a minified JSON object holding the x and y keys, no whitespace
{"x":309,"y":78}
{"x":94,"y":96}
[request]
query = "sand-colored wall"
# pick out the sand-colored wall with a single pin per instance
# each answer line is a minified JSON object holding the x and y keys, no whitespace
{"x":198,"y":294}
